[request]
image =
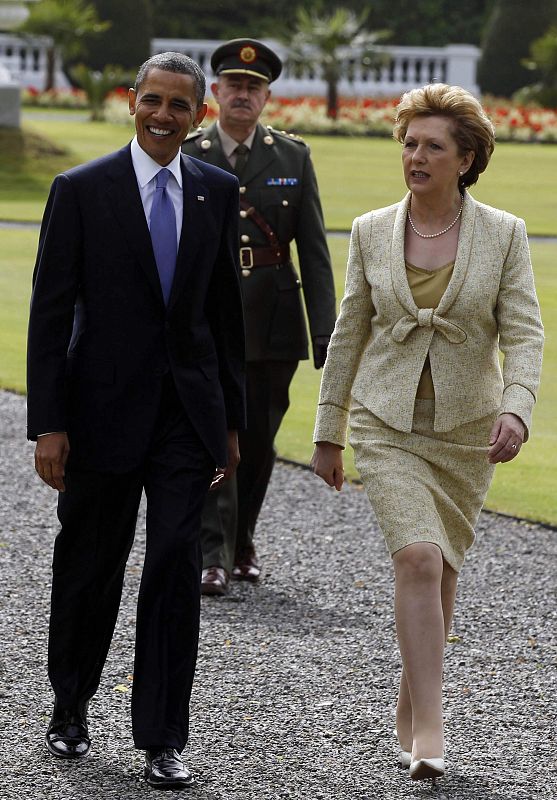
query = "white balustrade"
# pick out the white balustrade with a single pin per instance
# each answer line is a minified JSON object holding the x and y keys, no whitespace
{"x":25,"y":59}
{"x":400,"y":69}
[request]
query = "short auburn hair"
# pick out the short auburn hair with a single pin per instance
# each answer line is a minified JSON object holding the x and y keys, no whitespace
{"x":471,"y":129}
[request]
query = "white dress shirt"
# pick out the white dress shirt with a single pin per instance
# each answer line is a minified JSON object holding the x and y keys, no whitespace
{"x":146,"y":170}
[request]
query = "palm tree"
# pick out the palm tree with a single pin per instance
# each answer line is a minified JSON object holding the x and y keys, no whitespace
{"x":68,"y":23}
{"x":97,"y":85}
{"x":321,"y":40}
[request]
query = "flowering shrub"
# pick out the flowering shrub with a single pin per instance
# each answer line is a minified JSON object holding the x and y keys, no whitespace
{"x":523,"y":123}
{"x":371,"y":117}
{"x":357,"y":116}
{"x":54,"y":98}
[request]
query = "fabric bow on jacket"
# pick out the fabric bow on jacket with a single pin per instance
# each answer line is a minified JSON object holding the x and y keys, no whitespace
{"x":427,"y":318}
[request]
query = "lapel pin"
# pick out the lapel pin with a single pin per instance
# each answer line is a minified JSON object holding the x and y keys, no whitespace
{"x":200,"y":197}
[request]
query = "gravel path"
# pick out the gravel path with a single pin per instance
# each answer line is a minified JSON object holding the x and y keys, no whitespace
{"x":294,"y":695}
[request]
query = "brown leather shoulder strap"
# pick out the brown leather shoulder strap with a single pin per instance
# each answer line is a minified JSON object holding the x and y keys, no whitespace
{"x":261,"y":223}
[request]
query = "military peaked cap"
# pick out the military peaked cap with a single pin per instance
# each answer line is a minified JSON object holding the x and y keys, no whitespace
{"x":248,"y":57}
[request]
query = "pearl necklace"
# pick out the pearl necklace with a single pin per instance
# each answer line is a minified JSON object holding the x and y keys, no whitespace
{"x":434,"y":235}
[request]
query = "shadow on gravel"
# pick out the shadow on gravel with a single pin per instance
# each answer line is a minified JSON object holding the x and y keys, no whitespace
{"x":293,"y":612}
{"x":98,"y":779}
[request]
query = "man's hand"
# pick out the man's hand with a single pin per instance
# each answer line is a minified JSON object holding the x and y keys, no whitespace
{"x":51,"y":454}
{"x":506,"y":438}
{"x":327,"y":463}
{"x":320,"y":345}
{"x":224,"y":473}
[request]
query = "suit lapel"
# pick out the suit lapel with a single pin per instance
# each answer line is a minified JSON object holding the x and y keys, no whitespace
{"x":398,"y":263}
{"x":123,"y":194}
{"x":214,"y":154}
{"x":463,"y":251}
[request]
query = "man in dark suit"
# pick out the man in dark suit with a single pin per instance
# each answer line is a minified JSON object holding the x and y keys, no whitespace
{"x":135,"y":382}
{"x":279,"y":204}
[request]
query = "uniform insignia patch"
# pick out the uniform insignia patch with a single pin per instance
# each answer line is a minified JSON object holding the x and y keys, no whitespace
{"x":282,"y":181}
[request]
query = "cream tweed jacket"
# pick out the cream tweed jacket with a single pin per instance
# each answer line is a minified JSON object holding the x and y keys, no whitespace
{"x":381,"y":338}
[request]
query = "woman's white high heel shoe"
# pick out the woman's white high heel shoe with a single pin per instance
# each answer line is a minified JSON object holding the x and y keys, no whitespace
{"x":424,"y":768}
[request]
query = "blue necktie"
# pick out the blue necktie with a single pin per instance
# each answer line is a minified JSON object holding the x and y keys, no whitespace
{"x":163,"y":233}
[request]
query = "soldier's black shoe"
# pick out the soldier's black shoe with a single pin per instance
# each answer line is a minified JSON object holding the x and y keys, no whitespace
{"x":67,"y":735}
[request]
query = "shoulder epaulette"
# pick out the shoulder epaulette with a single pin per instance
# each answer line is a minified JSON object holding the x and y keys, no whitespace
{"x":291,"y":137}
{"x":195,"y":134}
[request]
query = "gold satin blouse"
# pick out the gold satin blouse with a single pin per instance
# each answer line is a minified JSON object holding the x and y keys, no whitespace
{"x":427,"y":287}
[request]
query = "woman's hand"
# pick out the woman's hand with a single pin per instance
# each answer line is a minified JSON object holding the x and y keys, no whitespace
{"x":506,"y":438}
{"x":327,"y":463}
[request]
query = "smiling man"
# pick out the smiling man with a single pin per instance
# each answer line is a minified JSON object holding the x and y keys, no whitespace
{"x":135,"y":382}
{"x":279,"y":205}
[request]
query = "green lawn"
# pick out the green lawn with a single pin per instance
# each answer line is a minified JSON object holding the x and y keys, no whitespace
{"x":355,"y":174}
{"x":26,"y":172}
{"x":525,"y":488}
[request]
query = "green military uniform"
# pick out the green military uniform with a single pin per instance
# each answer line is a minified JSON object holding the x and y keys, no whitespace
{"x":278,"y":180}
{"x":279,"y":204}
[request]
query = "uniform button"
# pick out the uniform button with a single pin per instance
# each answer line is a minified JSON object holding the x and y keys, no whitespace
{"x":246,"y":273}
{"x":243,"y":214}
{"x":245,"y":238}
{"x":285,"y":202}
{"x":242,"y":189}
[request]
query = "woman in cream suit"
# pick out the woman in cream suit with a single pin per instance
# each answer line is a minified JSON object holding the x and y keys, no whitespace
{"x":436,"y":285}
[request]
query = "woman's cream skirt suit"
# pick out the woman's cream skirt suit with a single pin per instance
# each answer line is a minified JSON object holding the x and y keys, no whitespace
{"x":424,"y":462}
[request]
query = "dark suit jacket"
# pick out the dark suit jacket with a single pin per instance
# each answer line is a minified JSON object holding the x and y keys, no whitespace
{"x":274,"y":316}
{"x":100,"y":337}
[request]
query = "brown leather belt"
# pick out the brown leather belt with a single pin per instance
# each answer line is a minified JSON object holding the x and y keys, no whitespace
{"x":251,"y":257}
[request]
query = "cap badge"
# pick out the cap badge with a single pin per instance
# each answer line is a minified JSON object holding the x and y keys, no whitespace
{"x":205,"y":144}
{"x":248,"y":55}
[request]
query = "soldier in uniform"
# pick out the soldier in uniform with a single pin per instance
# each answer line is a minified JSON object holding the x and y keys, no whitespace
{"x":279,"y":203}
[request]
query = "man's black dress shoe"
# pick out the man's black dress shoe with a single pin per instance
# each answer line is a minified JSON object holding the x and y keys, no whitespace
{"x":67,"y":735}
{"x":164,"y":769}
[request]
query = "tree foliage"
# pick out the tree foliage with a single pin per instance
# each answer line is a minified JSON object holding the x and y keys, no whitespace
{"x":69,"y":23}
{"x":512,"y":28}
{"x":128,"y":40}
{"x":219,"y":19}
{"x":426,"y":23}
{"x":543,"y":61}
